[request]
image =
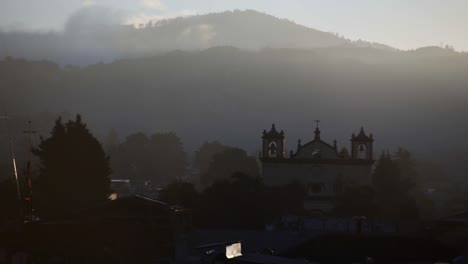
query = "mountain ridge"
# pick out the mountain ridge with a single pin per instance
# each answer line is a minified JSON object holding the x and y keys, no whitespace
{"x":86,"y":40}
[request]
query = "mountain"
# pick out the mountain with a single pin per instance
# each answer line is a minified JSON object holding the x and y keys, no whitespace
{"x":89,"y":38}
{"x":175,"y":76}
{"x":231,"y":94}
{"x":247,"y":29}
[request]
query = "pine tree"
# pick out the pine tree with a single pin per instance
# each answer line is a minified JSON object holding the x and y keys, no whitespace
{"x":386,"y":177}
{"x":407,"y":166}
{"x":392,"y":190}
{"x":74,"y":172}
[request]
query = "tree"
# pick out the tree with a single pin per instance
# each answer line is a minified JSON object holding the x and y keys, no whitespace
{"x":168,"y":157}
{"x":226,"y":163}
{"x":386,"y":176}
{"x":132,"y":159}
{"x":407,"y":167}
{"x":205,"y":154}
{"x":160,"y":158}
{"x":74,"y":170}
{"x":412,"y":183}
{"x":392,"y":191}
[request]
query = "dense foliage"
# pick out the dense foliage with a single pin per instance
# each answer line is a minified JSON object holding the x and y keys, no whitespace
{"x":228,"y":162}
{"x":74,"y":170}
{"x":159,"y":158}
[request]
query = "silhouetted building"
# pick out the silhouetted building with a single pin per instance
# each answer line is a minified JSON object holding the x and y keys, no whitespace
{"x":323,"y":168}
{"x":133,"y":229}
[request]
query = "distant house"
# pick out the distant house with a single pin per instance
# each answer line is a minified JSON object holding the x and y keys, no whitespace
{"x":321,"y":166}
{"x":120,"y":188}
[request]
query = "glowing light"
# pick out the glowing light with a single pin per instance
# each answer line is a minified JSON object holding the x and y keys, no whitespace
{"x":233,"y":251}
{"x":113,"y":196}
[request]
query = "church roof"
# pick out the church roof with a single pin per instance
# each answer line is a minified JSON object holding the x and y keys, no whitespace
{"x":362,"y":137}
{"x":273,"y":133}
{"x":316,"y":149}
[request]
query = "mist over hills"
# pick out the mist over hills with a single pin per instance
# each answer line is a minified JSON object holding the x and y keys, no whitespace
{"x":94,"y":35}
{"x":230,"y":94}
{"x":178,"y":76}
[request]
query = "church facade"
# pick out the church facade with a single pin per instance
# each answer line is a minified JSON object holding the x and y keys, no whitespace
{"x":320,"y":166}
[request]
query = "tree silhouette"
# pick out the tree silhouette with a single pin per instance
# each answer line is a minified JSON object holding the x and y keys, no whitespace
{"x":205,"y":154}
{"x":412,"y":182}
{"x":132,"y":160}
{"x":74,"y":170}
{"x":159,"y":158}
{"x":228,"y":162}
{"x":392,"y":190}
{"x":168,"y":157}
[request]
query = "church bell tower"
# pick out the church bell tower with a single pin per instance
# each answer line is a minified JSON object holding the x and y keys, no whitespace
{"x":361,"y":146}
{"x":273,"y":144}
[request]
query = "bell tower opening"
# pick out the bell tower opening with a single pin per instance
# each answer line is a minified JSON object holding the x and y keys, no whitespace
{"x":272,"y":150}
{"x":362,"y":154}
{"x":273,"y":144}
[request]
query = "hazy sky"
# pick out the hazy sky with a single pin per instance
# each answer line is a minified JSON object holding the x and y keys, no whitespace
{"x":405,"y":24}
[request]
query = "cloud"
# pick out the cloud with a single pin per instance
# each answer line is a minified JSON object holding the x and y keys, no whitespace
{"x":154,"y":4}
{"x":88,"y":3}
{"x":203,"y":34}
{"x":143,"y":18}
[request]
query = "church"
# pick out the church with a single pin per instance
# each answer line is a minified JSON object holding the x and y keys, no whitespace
{"x":320,"y":166}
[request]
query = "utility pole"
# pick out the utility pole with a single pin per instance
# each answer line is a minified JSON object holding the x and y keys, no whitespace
{"x":29,"y":132}
{"x":12,"y":152}
{"x":28,"y":214}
